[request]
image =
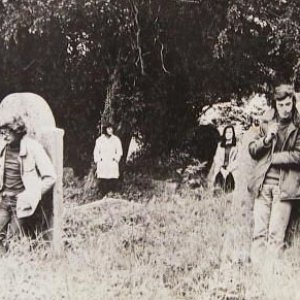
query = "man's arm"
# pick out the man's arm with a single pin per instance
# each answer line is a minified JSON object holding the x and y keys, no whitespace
{"x":259,"y":147}
{"x":288,"y":157}
{"x":45,"y":168}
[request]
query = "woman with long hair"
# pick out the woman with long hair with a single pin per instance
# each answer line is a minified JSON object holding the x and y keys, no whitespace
{"x":224,"y":165}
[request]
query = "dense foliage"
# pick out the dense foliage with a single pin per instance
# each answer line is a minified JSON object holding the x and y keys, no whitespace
{"x":147,"y":65}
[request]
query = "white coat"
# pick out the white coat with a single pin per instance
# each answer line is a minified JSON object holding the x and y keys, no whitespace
{"x":107,"y":154}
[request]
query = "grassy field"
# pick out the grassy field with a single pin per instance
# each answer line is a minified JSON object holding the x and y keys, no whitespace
{"x":170,"y":246}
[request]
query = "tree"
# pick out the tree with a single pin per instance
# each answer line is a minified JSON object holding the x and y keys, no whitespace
{"x":261,"y":43}
{"x":148,"y":65}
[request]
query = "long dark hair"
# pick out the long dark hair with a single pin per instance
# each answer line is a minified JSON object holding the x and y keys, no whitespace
{"x":105,"y":126}
{"x":223,"y":137}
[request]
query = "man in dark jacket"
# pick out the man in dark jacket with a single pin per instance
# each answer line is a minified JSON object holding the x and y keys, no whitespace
{"x":276,"y":178}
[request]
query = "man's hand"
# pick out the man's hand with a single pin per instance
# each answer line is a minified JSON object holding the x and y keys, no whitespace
{"x":272,"y":131}
{"x":23,"y":201}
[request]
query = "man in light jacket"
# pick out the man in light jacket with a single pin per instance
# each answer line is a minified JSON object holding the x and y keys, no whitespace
{"x":26,"y":173}
{"x":276,"y":177}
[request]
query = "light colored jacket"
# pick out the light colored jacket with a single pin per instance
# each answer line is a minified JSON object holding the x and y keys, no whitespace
{"x":107,"y":154}
{"x":219,"y":162}
{"x":288,"y":159}
{"x":37,"y":173}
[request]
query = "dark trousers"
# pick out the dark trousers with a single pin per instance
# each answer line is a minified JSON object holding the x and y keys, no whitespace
{"x":226,"y":184}
{"x":10,"y":224}
{"x":39,"y":224}
{"x":108,"y":185}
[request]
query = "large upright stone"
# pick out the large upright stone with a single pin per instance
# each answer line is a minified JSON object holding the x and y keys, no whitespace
{"x":33,"y":108}
{"x":41,"y":125}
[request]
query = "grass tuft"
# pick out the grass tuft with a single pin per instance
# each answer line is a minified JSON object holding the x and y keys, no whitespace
{"x":169,"y":247}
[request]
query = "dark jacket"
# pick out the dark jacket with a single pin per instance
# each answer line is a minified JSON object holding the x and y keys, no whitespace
{"x":288,"y":159}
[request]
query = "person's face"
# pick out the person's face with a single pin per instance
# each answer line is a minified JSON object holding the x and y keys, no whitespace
{"x":229,"y":133}
{"x":9,"y":136}
{"x":109,"y":130}
{"x":284,"y":108}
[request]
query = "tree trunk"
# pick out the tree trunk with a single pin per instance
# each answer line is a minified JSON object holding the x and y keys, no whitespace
{"x":110,"y":112}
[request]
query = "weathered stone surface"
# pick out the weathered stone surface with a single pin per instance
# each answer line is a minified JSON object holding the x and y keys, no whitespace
{"x":245,"y":170}
{"x":33,"y":108}
{"x":41,"y":125}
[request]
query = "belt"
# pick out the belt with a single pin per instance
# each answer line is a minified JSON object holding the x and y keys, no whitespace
{"x":9,"y":194}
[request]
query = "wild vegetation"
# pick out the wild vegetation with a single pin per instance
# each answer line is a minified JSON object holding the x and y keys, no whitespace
{"x":167,"y":244}
{"x":149,"y":66}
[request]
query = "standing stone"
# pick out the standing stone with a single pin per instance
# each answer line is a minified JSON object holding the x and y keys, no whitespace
{"x":41,"y":125}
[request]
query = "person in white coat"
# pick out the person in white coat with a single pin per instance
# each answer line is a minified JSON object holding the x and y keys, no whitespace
{"x":107,"y":155}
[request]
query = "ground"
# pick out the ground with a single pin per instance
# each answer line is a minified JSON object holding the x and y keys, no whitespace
{"x":157,"y":239}
{"x":173,"y":245}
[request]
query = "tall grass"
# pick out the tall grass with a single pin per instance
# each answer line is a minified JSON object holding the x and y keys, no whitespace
{"x":170,"y":247}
